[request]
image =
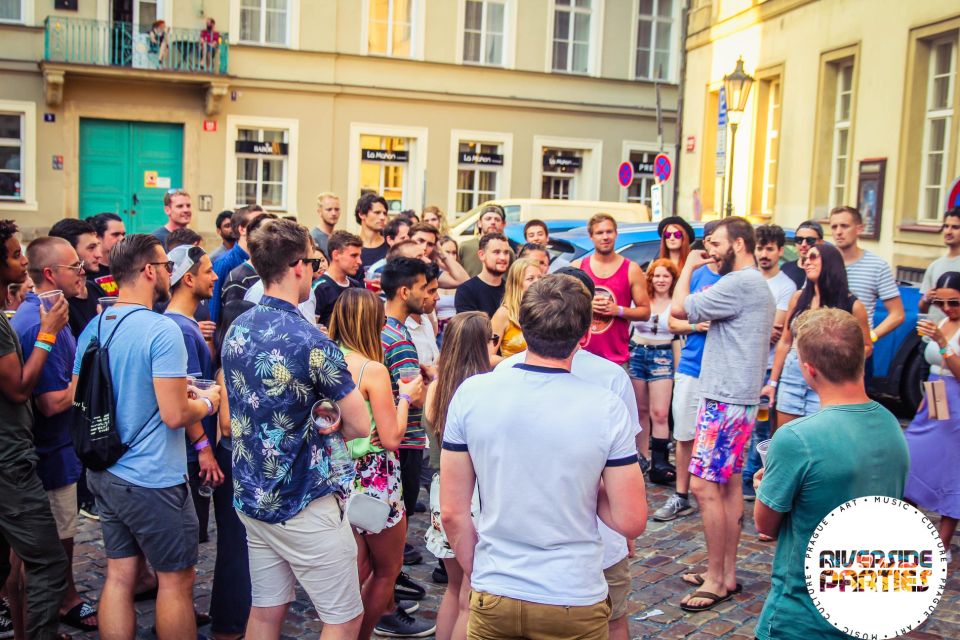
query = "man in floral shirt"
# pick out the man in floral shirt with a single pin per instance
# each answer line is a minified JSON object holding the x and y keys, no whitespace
{"x":277,"y":365}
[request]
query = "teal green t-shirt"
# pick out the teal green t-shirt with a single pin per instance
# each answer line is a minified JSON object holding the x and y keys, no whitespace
{"x":815,"y":464}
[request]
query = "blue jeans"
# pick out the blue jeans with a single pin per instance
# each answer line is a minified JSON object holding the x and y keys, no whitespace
{"x":230,"y":596}
{"x":761,"y":432}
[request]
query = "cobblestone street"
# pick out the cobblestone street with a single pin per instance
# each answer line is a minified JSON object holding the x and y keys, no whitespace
{"x":664,"y":553}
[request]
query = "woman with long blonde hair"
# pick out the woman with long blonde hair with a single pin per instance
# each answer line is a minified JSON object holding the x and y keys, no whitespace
{"x":506,"y":321}
{"x":467,"y":348}
{"x":436,"y":218}
{"x":355,"y":324}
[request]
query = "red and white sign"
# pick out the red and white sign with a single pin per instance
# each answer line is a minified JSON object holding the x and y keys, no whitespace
{"x":691,"y":143}
{"x":210,"y":125}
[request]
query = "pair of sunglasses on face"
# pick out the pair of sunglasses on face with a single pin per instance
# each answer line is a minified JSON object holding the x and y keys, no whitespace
{"x":808,"y":241}
{"x":673,"y":234}
{"x":952,"y":304}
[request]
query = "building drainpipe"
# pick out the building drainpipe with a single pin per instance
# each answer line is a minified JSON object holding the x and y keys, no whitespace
{"x":678,"y":125}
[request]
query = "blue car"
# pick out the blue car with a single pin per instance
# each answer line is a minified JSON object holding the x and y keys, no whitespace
{"x":898,"y":368}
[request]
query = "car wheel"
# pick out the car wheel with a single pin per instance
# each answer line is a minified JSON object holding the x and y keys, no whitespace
{"x":915,"y":371}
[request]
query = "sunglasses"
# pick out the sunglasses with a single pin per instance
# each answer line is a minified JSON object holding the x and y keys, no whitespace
{"x":813,"y":256}
{"x":313,"y":262}
{"x":807,"y":241}
{"x":673,"y":234}
{"x":168,"y":264}
{"x":494,"y":339}
{"x":953,"y":304}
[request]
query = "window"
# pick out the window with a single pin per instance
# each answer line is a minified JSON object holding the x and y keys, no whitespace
{"x":484,"y":32}
{"x":390,"y":28}
{"x":478,"y":174}
{"x":571,"y":35}
{"x":771,"y":148}
{"x":560,"y":170}
{"x":264,"y":21}
{"x":766,"y":150}
{"x":937,"y":125}
{"x":11,"y":156}
{"x":841,"y":135}
{"x":11,"y":11}
{"x":383,"y":169}
{"x":262,"y":167}
{"x":655,"y":39}
{"x":643,"y":179}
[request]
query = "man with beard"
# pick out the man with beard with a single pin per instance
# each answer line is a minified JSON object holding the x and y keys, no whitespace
{"x":328,"y":208}
{"x":949,"y":262}
{"x":144,"y":507}
{"x":740,"y":309}
{"x":484,"y":291}
{"x":492,"y":220}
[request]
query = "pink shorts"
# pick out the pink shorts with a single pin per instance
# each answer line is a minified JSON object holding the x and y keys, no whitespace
{"x":723,"y":431}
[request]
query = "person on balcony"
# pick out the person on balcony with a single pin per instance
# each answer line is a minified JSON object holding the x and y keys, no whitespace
{"x":210,"y":39}
{"x":158,"y":41}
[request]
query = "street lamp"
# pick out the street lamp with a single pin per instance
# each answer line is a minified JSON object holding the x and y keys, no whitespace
{"x":737,"y":87}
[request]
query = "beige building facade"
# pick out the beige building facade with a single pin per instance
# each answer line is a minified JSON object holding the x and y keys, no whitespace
{"x":854,"y":102}
{"x":446,"y":102}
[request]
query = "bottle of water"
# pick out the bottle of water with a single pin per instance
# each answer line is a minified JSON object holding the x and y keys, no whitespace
{"x":342,"y":468}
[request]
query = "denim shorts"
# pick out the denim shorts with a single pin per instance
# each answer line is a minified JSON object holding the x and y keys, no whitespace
{"x":650,"y":363}
{"x":794,"y":395}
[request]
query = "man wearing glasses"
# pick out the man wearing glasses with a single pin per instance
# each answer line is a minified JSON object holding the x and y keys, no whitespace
{"x":949,"y":262}
{"x":179,"y":211}
{"x":83,"y":236}
{"x":808,"y":234}
{"x":54,"y":266}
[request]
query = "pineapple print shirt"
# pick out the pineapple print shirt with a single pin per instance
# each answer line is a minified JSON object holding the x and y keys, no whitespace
{"x":276,"y":365}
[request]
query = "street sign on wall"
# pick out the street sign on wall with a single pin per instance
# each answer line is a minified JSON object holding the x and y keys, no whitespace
{"x":721,"y":167}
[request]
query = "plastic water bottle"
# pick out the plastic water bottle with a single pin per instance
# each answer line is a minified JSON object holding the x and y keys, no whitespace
{"x":342,"y":468}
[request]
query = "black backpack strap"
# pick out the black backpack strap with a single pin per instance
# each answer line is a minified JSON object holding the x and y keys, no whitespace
{"x":134,"y":441}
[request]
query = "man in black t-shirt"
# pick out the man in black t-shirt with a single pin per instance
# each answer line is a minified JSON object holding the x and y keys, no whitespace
{"x":340,"y":275}
{"x":484,"y":292}
{"x":83,"y":236}
{"x":371,"y":214}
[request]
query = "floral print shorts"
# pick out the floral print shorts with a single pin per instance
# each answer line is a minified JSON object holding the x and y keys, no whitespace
{"x":723,"y":431}
{"x":436,"y":537}
{"x":378,"y":476}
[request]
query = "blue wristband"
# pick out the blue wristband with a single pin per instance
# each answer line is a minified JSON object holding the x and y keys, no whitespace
{"x":43,"y":345}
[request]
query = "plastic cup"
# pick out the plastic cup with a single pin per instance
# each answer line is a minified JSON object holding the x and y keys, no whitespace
{"x":762,"y":448}
{"x":408,"y":374}
{"x":49,"y":298}
{"x":372,"y":284}
{"x":205,"y":491}
{"x":325,"y":414}
{"x":106,"y":301}
{"x":200,"y":383}
{"x":763,"y":409}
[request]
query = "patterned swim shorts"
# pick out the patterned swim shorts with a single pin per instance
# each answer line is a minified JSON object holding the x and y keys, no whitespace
{"x":723,"y":431}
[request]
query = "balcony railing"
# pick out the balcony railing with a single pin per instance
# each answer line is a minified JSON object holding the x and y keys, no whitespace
{"x":119,"y":44}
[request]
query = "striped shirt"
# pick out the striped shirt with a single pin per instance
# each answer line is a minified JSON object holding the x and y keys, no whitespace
{"x":238,"y":281}
{"x":870,"y":279}
{"x":399,"y":352}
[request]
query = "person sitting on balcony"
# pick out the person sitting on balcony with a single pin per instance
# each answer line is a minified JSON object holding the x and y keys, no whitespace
{"x":210,"y":38}
{"x":158,"y":41}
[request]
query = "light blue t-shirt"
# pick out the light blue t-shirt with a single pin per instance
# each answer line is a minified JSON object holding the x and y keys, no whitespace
{"x":147,"y":346}
{"x":692,"y":354}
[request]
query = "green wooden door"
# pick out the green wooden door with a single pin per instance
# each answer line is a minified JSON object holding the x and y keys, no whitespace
{"x":127,"y":167}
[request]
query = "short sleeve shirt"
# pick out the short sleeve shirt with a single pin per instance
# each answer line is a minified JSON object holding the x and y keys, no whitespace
{"x":58,"y":465}
{"x":870,"y":279}
{"x":399,"y":351}
{"x":692,"y":354}
{"x":276,"y":365}
{"x":199,"y":365}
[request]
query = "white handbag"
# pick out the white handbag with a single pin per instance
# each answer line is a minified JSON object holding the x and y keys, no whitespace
{"x":367,"y":513}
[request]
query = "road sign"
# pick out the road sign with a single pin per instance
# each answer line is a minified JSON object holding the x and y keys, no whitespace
{"x":625,"y":174}
{"x":953,"y":200}
{"x":721,"y":166}
{"x":662,"y":167}
{"x":656,"y":201}
{"x":722,"y":115}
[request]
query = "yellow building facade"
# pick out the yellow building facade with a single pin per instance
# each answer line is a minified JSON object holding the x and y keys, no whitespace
{"x":853,"y":102}
{"x":446,"y":102}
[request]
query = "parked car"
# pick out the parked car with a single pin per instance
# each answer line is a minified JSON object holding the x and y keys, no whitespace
{"x":898,"y":366}
{"x":573,"y":212}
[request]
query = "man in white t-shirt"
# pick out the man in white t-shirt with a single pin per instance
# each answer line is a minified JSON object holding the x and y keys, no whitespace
{"x":769,"y":251}
{"x":537,"y":554}
{"x":949,"y":262}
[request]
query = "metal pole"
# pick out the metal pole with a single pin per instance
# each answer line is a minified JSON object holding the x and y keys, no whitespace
{"x":733,"y":146}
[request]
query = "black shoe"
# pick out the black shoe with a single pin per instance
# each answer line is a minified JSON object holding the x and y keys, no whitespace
{"x":412,"y":556}
{"x":406,"y":589}
{"x":400,"y":624}
{"x":440,"y":574}
{"x":420,"y":507}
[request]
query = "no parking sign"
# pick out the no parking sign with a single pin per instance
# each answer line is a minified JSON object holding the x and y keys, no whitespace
{"x":662,"y":167}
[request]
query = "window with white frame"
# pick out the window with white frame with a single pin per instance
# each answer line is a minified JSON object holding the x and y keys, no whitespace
{"x":479,"y":165}
{"x":484,"y":32}
{"x":771,"y":149}
{"x":643,"y":178}
{"x":571,"y":35}
{"x":938,"y":119}
{"x":561,"y":168}
{"x":841,"y":135}
{"x":655,"y":27}
{"x":264,"y":21}
{"x":11,"y":11}
{"x":11,"y":156}
{"x":390,"y":28}
{"x":262,"y":159}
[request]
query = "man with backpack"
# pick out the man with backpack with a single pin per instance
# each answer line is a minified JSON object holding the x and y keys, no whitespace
{"x":140,"y":480}
{"x":26,"y":522}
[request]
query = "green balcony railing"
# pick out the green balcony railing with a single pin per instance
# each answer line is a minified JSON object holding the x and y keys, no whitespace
{"x":119,"y":44}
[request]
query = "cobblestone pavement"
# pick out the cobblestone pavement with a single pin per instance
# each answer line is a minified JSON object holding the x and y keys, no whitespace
{"x":664,"y":553}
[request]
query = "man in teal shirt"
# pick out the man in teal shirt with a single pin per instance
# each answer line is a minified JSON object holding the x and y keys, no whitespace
{"x":852,"y":447}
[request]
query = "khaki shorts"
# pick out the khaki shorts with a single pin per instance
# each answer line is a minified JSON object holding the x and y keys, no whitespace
{"x":493,"y":616}
{"x":63,"y":504}
{"x":618,"y":586}
{"x":315,"y":548}
{"x":686,"y":401}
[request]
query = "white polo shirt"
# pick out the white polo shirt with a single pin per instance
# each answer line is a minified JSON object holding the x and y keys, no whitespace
{"x":539,"y":440}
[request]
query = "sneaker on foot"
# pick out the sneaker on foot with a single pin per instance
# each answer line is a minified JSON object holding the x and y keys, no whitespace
{"x":400,"y":624}
{"x":406,"y":589}
{"x":6,"y":627}
{"x":675,"y":507}
{"x":409,"y":606}
{"x":412,"y":556}
{"x":749,"y":494}
{"x":439,"y":575}
{"x":90,"y":511}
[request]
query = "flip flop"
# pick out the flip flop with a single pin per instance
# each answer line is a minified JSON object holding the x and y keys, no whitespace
{"x":714,"y":601}
{"x":75,"y":617}
{"x":697,"y":581}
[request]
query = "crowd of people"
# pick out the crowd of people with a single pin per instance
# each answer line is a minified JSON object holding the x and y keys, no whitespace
{"x":308,"y":383}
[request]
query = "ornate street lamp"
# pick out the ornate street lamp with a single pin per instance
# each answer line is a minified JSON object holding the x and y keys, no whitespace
{"x":737,"y":87}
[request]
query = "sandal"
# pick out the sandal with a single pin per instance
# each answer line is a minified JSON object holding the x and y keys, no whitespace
{"x":696,"y":580}
{"x":663,"y":474}
{"x":706,"y":595}
{"x":76,"y":616}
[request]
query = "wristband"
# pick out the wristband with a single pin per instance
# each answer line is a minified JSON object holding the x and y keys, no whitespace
{"x":49,"y":338}
{"x":200,"y":446}
{"x":404,"y":396}
{"x":873,"y":336}
{"x":693,"y":327}
{"x":210,"y":409}
{"x":773,"y":383}
{"x":43,"y":345}
{"x":619,"y":311}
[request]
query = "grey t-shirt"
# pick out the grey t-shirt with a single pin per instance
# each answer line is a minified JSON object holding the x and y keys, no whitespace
{"x":936,"y":269}
{"x":320,"y":238}
{"x":741,"y":310}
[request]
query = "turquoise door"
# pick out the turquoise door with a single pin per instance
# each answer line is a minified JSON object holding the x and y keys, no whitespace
{"x":127,"y":167}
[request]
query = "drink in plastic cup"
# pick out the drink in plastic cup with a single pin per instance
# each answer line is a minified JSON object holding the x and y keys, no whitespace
{"x":325,"y":414}
{"x":205,"y":491}
{"x":373,"y":283}
{"x":762,"y":448}
{"x":408,"y":374}
{"x":763,"y":409}
{"x":106,"y":301}
{"x":200,"y":383}
{"x":49,"y":298}
{"x":922,"y":317}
